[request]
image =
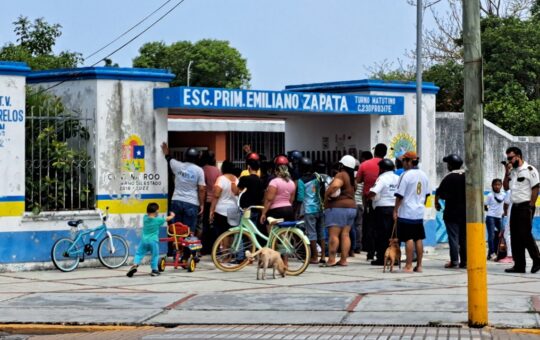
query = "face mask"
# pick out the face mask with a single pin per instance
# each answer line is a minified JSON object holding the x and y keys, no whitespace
{"x":515,"y":164}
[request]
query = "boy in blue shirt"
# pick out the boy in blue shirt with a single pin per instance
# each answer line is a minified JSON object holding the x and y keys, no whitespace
{"x":309,"y":195}
{"x":150,"y":239}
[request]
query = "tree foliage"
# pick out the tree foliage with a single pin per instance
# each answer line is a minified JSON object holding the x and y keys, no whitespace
{"x":511,"y":67}
{"x":35,"y":42}
{"x":214,"y":62}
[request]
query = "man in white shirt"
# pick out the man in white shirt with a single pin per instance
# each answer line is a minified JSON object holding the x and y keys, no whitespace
{"x":382,"y":194}
{"x":411,"y":195}
{"x":189,"y":187}
{"x":522,"y":179}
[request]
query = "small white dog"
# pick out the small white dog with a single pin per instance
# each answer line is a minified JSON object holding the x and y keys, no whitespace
{"x":268,"y":258}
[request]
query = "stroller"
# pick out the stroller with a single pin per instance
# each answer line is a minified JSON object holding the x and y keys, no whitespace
{"x":185,"y":248}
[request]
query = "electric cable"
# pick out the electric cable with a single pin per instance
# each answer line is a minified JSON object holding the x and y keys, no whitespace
{"x":118,"y":49}
{"x":129,"y":30}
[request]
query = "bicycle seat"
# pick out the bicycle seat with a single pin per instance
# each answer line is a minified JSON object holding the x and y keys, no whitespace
{"x":273,"y":221}
{"x":290,"y":224}
{"x":74,"y":223}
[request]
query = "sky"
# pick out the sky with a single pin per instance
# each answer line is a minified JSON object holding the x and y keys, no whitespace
{"x":285,"y":42}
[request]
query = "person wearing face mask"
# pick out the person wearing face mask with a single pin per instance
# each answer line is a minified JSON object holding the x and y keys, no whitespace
{"x":522,"y":179}
{"x":452,"y":191}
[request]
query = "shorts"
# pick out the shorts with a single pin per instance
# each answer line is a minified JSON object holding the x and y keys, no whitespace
{"x":410,"y":231}
{"x":286,"y":213}
{"x":313,"y":224}
{"x":339,"y":217}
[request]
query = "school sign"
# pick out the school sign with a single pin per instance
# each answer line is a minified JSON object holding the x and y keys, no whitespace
{"x":201,"y":98}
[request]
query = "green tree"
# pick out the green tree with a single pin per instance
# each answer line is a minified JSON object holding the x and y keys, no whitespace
{"x":35,"y":42}
{"x":449,"y":77}
{"x":214,"y":63}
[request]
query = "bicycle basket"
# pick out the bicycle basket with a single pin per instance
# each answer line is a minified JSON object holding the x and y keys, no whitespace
{"x":178,"y":229}
{"x":233,"y":216}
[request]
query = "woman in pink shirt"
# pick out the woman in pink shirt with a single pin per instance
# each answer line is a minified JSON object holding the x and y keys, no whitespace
{"x":280,"y":193}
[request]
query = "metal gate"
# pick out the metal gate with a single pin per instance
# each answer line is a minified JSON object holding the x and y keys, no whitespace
{"x":268,"y":144}
{"x":59,"y":169}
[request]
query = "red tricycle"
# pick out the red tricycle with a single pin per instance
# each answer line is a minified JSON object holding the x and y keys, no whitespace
{"x":185,"y":247}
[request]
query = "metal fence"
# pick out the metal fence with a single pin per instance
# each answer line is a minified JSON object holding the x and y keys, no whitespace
{"x":60,"y":172}
{"x":268,"y":144}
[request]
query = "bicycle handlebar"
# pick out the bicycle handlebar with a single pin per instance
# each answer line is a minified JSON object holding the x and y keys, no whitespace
{"x":103,"y":217}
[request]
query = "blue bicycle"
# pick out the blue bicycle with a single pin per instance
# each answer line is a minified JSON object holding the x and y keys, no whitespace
{"x":112,"y":250}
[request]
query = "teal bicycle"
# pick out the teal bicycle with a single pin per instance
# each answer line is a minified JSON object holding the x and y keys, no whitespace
{"x":228,"y":251}
{"x":112,"y":250}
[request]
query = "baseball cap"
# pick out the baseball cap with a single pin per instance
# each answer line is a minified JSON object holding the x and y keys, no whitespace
{"x":410,"y":155}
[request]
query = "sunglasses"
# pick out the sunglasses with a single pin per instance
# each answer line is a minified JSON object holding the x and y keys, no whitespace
{"x":509,"y":158}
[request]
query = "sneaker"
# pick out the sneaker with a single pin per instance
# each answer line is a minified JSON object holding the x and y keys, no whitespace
{"x":155,"y":273}
{"x":507,"y":259}
{"x":132,"y":270}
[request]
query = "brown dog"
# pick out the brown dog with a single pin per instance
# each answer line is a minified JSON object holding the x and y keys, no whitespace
{"x":268,"y":258}
{"x":392,"y":253}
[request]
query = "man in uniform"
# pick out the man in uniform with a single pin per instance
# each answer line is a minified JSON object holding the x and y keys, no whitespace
{"x":522,"y":179}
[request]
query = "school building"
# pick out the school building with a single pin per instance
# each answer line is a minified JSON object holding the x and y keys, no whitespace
{"x":112,"y":121}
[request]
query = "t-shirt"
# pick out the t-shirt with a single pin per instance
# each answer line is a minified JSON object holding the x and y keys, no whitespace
{"x":413,"y":188}
{"x":452,"y":191}
{"x":227,"y":200}
{"x":385,"y":190}
{"x":346,"y":196}
{"x":255,"y":190}
{"x":211,"y":173}
{"x":245,"y":172}
{"x":284,"y":190}
{"x":522,"y":180}
{"x":368,"y":173}
{"x":495,"y":204}
{"x":150,"y":230}
{"x":187,"y":178}
{"x":309,"y":193}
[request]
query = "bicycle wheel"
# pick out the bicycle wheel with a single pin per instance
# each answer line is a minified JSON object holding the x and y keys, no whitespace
{"x":228,"y":252}
{"x":107,"y":257}
{"x":289,"y":242}
{"x":65,"y":255}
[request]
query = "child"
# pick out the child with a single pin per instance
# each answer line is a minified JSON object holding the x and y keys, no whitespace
{"x":150,"y":239}
{"x":494,"y":205}
{"x":506,"y":229}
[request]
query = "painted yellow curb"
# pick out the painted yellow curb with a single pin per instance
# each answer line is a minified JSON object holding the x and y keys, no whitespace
{"x":526,"y":330}
{"x":56,"y":329}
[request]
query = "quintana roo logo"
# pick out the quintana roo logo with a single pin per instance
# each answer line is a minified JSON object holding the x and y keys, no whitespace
{"x":133,"y":154}
{"x":402,"y":143}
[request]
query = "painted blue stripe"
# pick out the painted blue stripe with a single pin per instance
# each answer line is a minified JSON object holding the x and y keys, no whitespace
{"x":141,"y":196}
{"x":14,"y":68}
{"x":365,"y":85}
{"x":11,"y":198}
{"x":115,"y":73}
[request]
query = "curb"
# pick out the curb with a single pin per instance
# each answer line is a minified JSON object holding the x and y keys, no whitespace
{"x":43,"y":329}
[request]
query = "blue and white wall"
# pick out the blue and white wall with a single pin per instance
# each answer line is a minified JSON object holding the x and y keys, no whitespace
{"x":130,"y":170}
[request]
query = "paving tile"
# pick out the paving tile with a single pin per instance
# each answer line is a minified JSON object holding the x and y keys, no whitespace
{"x":268,"y":302}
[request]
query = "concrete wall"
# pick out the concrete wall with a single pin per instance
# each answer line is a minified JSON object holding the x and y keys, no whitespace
{"x":450,"y":139}
{"x":120,"y":101}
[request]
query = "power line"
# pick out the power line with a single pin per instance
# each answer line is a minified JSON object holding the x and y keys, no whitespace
{"x":138,"y":35}
{"x":129,"y":30}
{"x":119,"y":48}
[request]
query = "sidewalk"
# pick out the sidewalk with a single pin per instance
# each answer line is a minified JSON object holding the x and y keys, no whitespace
{"x":359,"y":294}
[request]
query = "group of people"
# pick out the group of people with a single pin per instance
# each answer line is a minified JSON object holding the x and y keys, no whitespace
{"x":358,"y":206}
{"x":516,"y":207}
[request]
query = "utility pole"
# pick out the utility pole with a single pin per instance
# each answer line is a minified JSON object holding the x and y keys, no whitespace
{"x":419,"y":16}
{"x":189,"y":71}
{"x":474,"y":155}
